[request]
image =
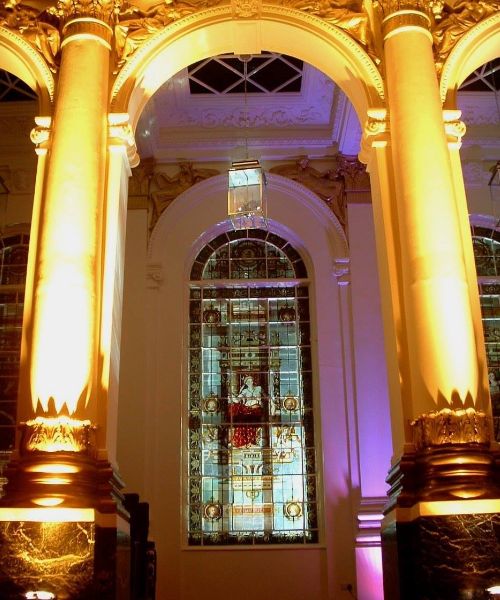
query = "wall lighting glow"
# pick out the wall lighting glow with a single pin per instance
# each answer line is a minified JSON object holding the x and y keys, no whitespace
{"x":48,"y":501}
{"x":40,"y":595}
{"x":494,"y":590}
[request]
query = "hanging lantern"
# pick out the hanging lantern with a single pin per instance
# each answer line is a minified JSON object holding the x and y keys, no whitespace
{"x":245,"y":197}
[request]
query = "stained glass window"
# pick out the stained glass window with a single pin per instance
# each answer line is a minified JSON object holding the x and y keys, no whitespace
{"x":251,"y":442}
{"x":13,"y":265}
{"x":487,"y":256}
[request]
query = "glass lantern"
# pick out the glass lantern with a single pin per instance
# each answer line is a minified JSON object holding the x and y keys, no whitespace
{"x":245,"y":197}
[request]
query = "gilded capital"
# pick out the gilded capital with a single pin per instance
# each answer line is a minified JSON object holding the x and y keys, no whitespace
{"x":451,"y":426}
{"x":101,"y":10}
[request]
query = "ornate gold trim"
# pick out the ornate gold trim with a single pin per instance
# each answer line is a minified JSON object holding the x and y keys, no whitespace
{"x":88,"y":28}
{"x":405,"y":19}
{"x":151,"y":46}
{"x":57,"y":434}
{"x":452,"y":427}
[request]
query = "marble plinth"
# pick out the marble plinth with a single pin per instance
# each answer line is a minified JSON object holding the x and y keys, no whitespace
{"x":452,"y":557}
{"x":74,"y":560}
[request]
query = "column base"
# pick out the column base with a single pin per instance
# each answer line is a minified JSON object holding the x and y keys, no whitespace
{"x":440,"y":533}
{"x":445,"y":557}
{"x":69,"y":553}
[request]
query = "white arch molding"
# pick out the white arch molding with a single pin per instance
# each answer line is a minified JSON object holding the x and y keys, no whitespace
{"x":191,"y":202}
{"x":214,"y":31}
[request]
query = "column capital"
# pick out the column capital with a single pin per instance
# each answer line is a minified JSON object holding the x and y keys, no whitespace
{"x":454,"y":128}
{"x":40,"y":134}
{"x":104,"y":11}
{"x":431,"y":8}
{"x":341,"y":270}
{"x":376,"y":128}
{"x":121,"y":135}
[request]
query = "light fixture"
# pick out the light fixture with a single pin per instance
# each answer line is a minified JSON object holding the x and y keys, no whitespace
{"x":494,"y":591}
{"x":246,"y":200}
{"x":245,"y":195}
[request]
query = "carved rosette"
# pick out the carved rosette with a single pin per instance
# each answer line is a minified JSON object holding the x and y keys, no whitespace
{"x":451,"y":427}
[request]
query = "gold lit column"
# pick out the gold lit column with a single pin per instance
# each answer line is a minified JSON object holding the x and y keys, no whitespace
{"x":444,"y":472}
{"x":62,"y":492}
{"x":443,"y":350}
{"x":64,"y":429}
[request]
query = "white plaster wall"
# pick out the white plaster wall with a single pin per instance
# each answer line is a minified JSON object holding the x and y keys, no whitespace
{"x":153,"y":400}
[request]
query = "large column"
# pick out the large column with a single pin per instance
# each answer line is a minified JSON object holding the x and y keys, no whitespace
{"x":62,"y":498}
{"x":438,"y":530}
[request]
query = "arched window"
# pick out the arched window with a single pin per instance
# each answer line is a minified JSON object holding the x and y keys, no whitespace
{"x":252,"y":476}
{"x":486,"y":243}
{"x":14,"y":246}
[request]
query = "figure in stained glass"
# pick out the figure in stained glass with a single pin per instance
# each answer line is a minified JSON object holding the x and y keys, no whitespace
{"x":246,"y":411}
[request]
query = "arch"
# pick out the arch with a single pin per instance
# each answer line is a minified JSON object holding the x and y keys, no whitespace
{"x":214,"y":31}
{"x":479,"y":45}
{"x":283,"y":187}
{"x":19,"y":58}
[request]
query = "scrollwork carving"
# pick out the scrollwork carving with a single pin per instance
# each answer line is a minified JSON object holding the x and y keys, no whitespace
{"x":162,"y":189}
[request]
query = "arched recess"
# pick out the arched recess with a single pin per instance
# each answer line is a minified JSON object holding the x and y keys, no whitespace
{"x":22,"y":60}
{"x":478,"y":46}
{"x":191,"y":221}
{"x":215,"y":31}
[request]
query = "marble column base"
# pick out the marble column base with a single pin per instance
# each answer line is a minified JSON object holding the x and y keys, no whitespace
{"x":73,"y":560}
{"x":449,"y":557}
